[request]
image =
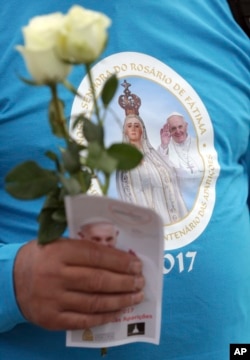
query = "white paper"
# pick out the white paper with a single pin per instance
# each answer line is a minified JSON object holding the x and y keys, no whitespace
{"x":141,"y":231}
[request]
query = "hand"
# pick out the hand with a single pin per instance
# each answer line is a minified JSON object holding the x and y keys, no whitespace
{"x":165,"y":136}
{"x":75,"y":284}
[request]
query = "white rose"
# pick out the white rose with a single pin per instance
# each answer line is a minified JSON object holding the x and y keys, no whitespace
{"x":39,"y":51}
{"x":83,"y":35}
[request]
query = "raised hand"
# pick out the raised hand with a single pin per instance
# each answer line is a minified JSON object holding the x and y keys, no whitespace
{"x":165,"y":136}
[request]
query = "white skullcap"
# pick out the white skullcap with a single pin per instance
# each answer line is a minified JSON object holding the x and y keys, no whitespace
{"x":95,"y":220}
{"x":174,"y":114}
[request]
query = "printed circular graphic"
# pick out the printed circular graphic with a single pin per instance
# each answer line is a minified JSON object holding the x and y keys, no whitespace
{"x":156,"y":107}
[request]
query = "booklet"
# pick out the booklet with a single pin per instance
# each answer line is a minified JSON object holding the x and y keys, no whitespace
{"x":131,"y":228}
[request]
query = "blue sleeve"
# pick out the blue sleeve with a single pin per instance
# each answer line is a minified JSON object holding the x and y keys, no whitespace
{"x":248,"y":172}
{"x":10,"y":314}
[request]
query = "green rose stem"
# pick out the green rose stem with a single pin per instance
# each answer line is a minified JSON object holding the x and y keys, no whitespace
{"x":104,"y":351}
{"x":60,"y":119}
{"x":59,"y":115}
{"x":105,"y":186}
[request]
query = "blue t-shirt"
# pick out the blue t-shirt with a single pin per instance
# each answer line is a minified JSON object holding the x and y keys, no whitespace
{"x":186,"y":57}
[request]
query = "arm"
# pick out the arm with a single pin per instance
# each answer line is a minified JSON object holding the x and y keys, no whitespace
{"x":248,"y":172}
{"x":10,"y":314}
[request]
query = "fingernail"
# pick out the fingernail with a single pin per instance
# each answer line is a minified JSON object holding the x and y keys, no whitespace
{"x":137,"y":297}
{"x":135,"y":267}
{"x":139,"y":282}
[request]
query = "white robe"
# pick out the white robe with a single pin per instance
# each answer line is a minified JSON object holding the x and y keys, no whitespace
{"x":153,"y":184}
{"x":188,"y":165}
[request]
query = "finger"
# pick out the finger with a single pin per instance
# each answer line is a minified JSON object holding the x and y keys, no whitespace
{"x":95,"y":304}
{"x":76,"y":321}
{"x":100,"y":281}
{"x":86,"y":253}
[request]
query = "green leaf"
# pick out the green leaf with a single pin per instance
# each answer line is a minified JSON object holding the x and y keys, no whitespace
{"x":71,"y":185}
{"x":93,"y":132}
{"x":54,"y":199}
{"x":52,"y":219}
{"x":127,"y":156}
{"x":84,"y":178}
{"x":50,"y":228}
{"x":52,"y":156}
{"x":71,"y":158}
{"x":59,"y":215}
{"x":29,"y":181}
{"x":79,"y":119}
{"x":109,"y":90}
{"x":56,"y":117}
{"x":99,"y":159}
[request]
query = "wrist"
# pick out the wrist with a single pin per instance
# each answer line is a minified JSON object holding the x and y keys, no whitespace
{"x":164,"y":146}
{"x":10,"y":314}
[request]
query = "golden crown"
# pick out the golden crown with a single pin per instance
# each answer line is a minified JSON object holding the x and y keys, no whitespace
{"x":128,"y":101}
